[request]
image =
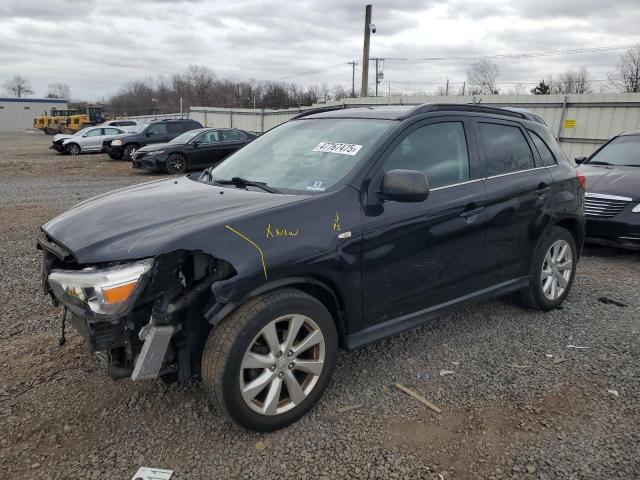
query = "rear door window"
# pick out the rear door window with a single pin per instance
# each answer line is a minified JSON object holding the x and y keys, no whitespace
{"x":176,"y":127}
{"x":439,"y":150}
{"x":233,"y":135}
{"x":506,"y":149}
{"x":548,"y":159}
{"x":158,"y":129}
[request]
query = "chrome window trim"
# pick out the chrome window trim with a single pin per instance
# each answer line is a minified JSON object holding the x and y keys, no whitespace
{"x":456,"y":184}
{"x":514,"y":173}
{"x":605,"y":196}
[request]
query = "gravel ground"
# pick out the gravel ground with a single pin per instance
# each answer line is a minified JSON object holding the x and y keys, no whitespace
{"x":509,"y":409}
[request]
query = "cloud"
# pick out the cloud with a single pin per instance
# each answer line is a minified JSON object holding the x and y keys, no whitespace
{"x":97,"y":46}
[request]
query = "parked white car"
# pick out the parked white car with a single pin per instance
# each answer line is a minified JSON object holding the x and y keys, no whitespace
{"x":124,"y":124}
{"x":84,"y":141}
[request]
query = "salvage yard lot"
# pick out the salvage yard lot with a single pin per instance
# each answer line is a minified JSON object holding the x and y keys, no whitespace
{"x":519,"y":403}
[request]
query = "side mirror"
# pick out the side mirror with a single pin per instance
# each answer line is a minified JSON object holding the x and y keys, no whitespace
{"x":148,"y":134}
{"x":404,"y":186}
{"x":195,"y":144}
{"x":580,"y":160}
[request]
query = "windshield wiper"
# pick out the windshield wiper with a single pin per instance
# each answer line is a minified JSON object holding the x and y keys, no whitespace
{"x":243,"y":182}
{"x":596,"y":162}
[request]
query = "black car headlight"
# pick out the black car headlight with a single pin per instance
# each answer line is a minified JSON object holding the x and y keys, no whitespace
{"x":636,"y":209}
{"x":104,"y":291}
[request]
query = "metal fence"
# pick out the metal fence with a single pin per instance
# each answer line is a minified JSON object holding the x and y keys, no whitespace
{"x":581,"y":122}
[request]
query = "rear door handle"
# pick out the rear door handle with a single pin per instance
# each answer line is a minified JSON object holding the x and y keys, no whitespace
{"x":471,"y":213}
{"x":543,"y":188}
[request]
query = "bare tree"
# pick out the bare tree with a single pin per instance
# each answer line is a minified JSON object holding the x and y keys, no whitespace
{"x":18,"y":87}
{"x":626,"y":78}
{"x":572,"y":81}
{"x":483,"y":76}
{"x":59,"y":90}
{"x":338,"y":92}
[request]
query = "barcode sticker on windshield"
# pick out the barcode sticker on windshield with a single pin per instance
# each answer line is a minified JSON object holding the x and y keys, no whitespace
{"x":341,"y":148}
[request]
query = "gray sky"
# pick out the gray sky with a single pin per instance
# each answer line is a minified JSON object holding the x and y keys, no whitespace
{"x":96,"y":46}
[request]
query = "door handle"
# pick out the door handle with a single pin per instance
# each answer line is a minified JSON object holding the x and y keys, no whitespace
{"x":471,"y":213}
{"x":542,"y":189}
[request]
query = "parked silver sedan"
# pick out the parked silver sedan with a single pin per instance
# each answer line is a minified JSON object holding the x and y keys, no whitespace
{"x":87,"y":140}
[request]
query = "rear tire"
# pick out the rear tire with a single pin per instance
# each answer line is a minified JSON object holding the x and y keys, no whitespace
{"x":552,"y":271}
{"x":258,"y":345}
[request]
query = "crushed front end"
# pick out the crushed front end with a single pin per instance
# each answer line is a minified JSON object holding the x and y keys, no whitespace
{"x":142,"y":318}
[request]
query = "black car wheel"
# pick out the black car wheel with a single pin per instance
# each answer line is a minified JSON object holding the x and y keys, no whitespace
{"x":129,"y":150}
{"x":113,"y":155}
{"x":269,"y":362}
{"x":552,"y":271}
{"x":176,"y":163}
{"x":73,"y":149}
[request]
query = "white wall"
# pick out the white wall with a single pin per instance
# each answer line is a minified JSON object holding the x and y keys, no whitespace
{"x":597,"y":117}
{"x":17,"y":114}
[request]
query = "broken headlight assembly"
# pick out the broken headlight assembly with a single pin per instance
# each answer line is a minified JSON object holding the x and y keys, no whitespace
{"x":103,"y":291}
{"x":636,"y":209}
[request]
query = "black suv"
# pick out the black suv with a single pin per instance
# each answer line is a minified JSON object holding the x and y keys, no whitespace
{"x":161,"y":131}
{"x":338,"y":228}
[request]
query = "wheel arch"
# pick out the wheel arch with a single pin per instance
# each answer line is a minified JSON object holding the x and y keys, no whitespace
{"x":318,"y":288}
{"x":575,"y":228}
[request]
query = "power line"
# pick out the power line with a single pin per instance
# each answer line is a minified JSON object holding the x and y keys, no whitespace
{"x":311,"y":72}
{"x":575,"y":51}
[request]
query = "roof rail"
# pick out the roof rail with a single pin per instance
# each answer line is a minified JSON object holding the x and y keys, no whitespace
{"x":313,"y":111}
{"x":463,"y":107}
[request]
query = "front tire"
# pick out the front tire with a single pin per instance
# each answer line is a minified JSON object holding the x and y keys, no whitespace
{"x":269,"y":362}
{"x":115,"y":155}
{"x":129,"y":150}
{"x":73,"y":149}
{"x":176,"y":164}
{"x":553,"y":270}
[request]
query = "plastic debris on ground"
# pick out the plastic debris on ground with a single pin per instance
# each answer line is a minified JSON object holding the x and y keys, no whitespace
{"x":613,"y":392}
{"x":147,"y":473}
{"x":446,"y":372}
{"x":424,"y":376}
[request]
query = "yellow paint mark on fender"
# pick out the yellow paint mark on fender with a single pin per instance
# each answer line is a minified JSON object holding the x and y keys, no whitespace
{"x":336,"y":223}
{"x":280,"y":232}
{"x":244,"y":237}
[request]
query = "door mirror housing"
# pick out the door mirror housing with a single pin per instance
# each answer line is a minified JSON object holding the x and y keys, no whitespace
{"x":195,"y":143}
{"x":404,"y":186}
{"x":580,"y":160}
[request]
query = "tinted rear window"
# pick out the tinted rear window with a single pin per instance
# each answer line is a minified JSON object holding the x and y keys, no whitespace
{"x":506,"y":149}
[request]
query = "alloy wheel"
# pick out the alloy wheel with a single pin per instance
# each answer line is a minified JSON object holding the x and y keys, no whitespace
{"x":556,"y":269}
{"x":74,"y":149}
{"x":176,"y":164}
{"x":282,"y":364}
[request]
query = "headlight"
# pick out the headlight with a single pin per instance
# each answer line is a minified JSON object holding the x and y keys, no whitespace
{"x":105,"y":291}
{"x":636,"y":209}
{"x":116,"y":142}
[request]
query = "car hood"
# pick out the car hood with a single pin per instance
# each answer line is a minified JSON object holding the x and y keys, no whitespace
{"x":158,"y":146}
{"x":621,"y":181}
{"x":61,"y":136}
{"x":153,"y":218}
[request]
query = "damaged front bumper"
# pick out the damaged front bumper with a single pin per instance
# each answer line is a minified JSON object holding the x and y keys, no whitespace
{"x":161,"y":330}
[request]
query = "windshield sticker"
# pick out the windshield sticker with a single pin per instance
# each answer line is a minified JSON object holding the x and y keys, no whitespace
{"x":317,"y":186}
{"x":341,"y":148}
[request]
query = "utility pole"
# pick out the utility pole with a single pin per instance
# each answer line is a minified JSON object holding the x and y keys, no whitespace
{"x":353,"y":77}
{"x":365,"y":51}
{"x":446,"y":90}
{"x":464,"y":84}
{"x":377,"y":80}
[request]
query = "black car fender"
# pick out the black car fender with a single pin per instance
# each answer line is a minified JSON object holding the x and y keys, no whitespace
{"x":317,"y":288}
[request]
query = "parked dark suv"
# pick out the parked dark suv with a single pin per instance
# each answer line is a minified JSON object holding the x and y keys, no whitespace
{"x":161,"y":131}
{"x":338,"y":228}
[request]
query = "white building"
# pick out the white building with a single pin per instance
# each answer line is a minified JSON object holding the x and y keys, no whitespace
{"x":17,"y":114}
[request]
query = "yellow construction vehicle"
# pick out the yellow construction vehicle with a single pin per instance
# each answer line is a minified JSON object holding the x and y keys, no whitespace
{"x":92,"y":116}
{"x":54,"y":121}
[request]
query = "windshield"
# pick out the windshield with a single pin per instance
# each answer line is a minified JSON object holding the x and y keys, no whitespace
{"x":186,"y":136}
{"x":624,"y":150}
{"x":305,"y":155}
